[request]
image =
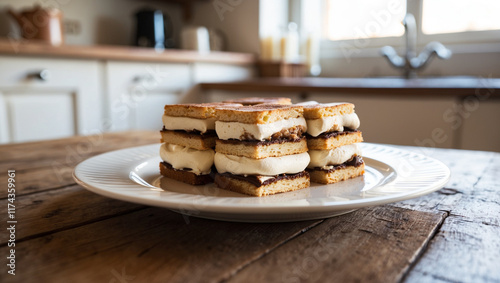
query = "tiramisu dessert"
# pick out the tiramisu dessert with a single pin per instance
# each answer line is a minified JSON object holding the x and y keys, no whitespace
{"x":247,"y":101}
{"x":332,"y":139}
{"x":261,"y":149}
{"x":188,"y":138}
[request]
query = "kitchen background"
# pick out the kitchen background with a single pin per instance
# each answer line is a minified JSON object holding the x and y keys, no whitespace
{"x":96,"y":81}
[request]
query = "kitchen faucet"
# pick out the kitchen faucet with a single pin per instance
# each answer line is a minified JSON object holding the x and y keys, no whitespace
{"x":411,"y":62}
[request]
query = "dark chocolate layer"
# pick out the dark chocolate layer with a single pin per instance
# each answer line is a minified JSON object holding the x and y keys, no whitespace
{"x":259,"y":143}
{"x":356,"y":161}
{"x":254,"y":180}
{"x":334,"y":134}
{"x":169,"y":166}
{"x":207,"y":133}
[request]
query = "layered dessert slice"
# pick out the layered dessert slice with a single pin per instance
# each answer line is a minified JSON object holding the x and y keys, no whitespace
{"x":248,"y":101}
{"x":186,"y":164}
{"x":261,"y":150}
{"x":188,"y":138}
{"x":332,"y":139}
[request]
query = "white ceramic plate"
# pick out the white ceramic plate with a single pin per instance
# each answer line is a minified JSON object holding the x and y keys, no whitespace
{"x":392,"y":175}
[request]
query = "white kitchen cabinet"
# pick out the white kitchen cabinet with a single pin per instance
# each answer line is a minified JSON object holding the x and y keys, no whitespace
{"x":212,"y":72}
{"x":64,"y":103}
{"x":137,"y":92}
{"x":35,"y":116}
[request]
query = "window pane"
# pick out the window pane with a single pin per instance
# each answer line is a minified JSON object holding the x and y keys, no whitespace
{"x":447,"y":16}
{"x":363,"y":18}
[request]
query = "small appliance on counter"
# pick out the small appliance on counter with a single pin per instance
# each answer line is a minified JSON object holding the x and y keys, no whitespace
{"x":8,"y":25}
{"x":154,"y":29}
{"x":40,"y":24}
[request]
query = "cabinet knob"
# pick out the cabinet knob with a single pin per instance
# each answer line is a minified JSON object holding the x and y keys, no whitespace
{"x":43,"y":75}
{"x":143,"y":78}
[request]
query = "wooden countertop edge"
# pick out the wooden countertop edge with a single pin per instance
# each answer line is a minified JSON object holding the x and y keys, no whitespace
{"x":488,"y":87}
{"x":122,"y":53}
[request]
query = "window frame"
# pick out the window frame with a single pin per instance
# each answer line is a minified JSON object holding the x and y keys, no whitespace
{"x":468,"y":41}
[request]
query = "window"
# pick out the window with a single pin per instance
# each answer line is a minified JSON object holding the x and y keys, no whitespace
{"x":447,"y":21}
{"x":363,"y":19}
{"x":451,"y":16}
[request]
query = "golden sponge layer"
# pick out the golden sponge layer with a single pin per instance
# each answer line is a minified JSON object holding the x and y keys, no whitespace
{"x":261,"y":100}
{"x":334,"y":140}
{"x":280,"y":186}
{"x":199,"y":111}
{"x":259,"y":114}
{"x":316,"y":111}
{"x":259,"y":150}
{"x":342,"y":174}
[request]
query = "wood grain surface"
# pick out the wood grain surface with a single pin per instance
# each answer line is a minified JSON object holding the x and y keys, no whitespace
{"x":68,"y":234}
{"x":123,"y":53}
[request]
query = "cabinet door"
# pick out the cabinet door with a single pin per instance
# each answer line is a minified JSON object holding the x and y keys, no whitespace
{"x":37,"y":116}
{"x":480,"y":125}
{"x":137,"y":93}
{"x":66,"y":102}
{"x":400,"y":120}
{"x":4,"y":122}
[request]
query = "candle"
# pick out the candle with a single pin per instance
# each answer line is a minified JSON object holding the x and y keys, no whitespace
{"x":312,"y":50}
{"x":289,"y":44}
{"x":267,"y":48}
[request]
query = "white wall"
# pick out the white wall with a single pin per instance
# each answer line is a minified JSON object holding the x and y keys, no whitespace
{"x":109,"y":22}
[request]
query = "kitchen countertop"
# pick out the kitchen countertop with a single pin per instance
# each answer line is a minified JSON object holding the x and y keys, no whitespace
{"x":383,"y":85}
{"x":65,"y":233}
{"x":126,"y":53}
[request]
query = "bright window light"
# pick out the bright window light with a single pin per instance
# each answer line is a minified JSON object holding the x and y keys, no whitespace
{"x":449,"y":16}
{"x":363,"y":18}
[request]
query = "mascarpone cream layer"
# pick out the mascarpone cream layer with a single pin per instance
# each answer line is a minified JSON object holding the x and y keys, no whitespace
{"x":315,"y":127}
{"x":235,"y":130}
{"x":336,"y":156}
{"x":181,"y":157}
{"x":188,"y":124}
{"x":270,"y":166}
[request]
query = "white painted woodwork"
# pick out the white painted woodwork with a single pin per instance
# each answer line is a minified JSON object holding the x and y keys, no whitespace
{"x":67,"y":103}
{"x":211,"y":72}
{"x":137,"y":92}
{"x":4,"y":122}
{"x":37,"y":116}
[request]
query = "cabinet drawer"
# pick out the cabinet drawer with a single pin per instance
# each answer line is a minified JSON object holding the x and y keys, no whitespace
{"x":22,"y":71}
{"x":209,"y":72}
{"x":65,"y":103}
{"x":137,"y":92}
{"x":151,"y":76}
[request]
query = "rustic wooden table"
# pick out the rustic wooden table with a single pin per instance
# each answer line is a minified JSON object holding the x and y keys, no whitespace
{"x":65,"y":233}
